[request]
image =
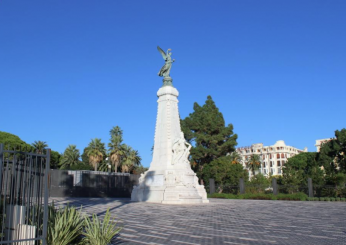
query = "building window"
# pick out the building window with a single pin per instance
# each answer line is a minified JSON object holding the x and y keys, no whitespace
{"x":279,"y":170}
{"x":278,"y":164}
{"x":271,"y":164}
{"x":278,"y":155}
{"x":282,"y":155}
{"x":270,"y":156}
{"x":283,"y":162}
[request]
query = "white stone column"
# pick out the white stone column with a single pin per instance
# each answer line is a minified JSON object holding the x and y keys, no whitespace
{"x":170,"y":179}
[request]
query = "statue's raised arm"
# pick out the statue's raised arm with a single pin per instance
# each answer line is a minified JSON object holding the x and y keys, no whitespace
{"x":166,"y":68}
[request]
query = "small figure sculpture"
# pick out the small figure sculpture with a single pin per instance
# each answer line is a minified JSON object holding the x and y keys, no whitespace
{"x":164,"y":72}
{"x":180,"y":151}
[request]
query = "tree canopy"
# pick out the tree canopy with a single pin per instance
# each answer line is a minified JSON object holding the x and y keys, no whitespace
{"x":205,"y":129}
{"x":224,"y":172}
{"x":13,"y":141}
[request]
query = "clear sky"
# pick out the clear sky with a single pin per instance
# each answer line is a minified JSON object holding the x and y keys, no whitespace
{"x":71,"y":70}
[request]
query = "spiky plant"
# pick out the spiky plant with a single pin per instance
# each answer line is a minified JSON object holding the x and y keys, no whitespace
{"x":97,"y":232}
{"x":64,"y":225}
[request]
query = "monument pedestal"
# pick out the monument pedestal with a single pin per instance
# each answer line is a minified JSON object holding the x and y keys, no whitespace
{"x":170,"y":179}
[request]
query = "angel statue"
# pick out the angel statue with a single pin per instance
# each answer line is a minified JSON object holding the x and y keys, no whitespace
{"x":164,"y":72}
{"x":181,"y":150}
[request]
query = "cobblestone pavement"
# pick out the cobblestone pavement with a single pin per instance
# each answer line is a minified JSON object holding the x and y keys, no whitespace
{"x":223,"y":221}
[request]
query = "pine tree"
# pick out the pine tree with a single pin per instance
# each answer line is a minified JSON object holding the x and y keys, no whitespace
{"x":205,"y":129}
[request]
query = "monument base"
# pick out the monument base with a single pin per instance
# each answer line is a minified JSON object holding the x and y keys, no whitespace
{"x":169,"y":187}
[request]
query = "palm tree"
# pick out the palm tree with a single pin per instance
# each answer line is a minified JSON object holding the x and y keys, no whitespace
{"x":39,"y":146}
{"x":131,"y":159}
{"x":235,"y":157}
{"x":70,"y":157}
{"x":96,"y":151}
{"x":253,"y":163}
{"x":116,"y":148}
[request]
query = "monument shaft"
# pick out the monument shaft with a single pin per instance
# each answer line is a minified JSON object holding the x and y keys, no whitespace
{"x":170,"y":179}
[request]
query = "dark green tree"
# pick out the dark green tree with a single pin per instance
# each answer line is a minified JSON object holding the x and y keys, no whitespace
{"x":54,"y":159}
{"x":301,"y":167}
{"x":13,"y":141}
{"x":332,"y":154}
{"x":205,"y":129}
{"x":224,"y":172}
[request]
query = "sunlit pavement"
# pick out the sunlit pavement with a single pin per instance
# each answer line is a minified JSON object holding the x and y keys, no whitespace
{"x":222,"y":221}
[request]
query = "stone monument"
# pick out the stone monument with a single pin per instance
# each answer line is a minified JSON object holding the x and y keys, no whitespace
{"x":170,"y":179}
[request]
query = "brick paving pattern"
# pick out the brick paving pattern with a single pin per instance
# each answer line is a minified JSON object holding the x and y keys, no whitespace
{"x":223,"y":221}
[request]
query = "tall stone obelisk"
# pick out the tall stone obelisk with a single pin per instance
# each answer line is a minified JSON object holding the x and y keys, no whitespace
{"x":170,"y":179}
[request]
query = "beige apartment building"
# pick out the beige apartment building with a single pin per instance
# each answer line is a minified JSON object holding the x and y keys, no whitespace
{"x":272,"y":157}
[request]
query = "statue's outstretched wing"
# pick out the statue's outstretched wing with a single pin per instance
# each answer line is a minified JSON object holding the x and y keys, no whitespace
{"x":164,"y":56}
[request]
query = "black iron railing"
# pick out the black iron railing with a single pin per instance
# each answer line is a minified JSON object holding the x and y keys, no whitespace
{"x":24,"y":196}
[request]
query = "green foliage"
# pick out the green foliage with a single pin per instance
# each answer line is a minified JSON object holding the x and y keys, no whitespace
{"x":205,"y":129}
{"x":130,"y":160}
{"x":97,"y":232}
{"x":13,"y":141}
{"x":54,"y":159}
{"x":84,"y":156}
{"x":224,"y":172}
{"x":332,"y":156}
{"x":79,"y":166}
{"x":253,"y":163}
{"x":70,"y":157}
{"x":116,"y":147}
{"x":39,"y":146}
{"x":258,"y":184}
{"x":301,"y":167}
{"x":139,"y":170}
{"x":64,"y":225}
{"x":259,"y":196}
{"x":96,"y":152}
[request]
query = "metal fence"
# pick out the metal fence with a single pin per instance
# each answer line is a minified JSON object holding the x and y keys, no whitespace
{"x":24,"y":197}
{"x":66,"y":183}
{"x":309,"y":189}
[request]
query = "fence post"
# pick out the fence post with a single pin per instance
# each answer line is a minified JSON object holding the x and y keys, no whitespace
{"x":241,"y":186}
{"x":275,"y":186}
{"x":310,"y":187}
{"x":211,"y":186}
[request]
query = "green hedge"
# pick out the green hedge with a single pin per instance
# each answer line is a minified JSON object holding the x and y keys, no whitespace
{"x":289,"y":197}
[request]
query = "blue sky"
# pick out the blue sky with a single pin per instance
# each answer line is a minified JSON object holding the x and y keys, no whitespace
{"x":70,"y":70}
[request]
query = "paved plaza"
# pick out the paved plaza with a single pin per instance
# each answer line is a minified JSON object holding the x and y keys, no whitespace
{"x":223,"y":221}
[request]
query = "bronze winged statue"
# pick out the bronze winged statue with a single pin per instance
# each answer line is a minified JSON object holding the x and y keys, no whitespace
{"x":166,"y":68}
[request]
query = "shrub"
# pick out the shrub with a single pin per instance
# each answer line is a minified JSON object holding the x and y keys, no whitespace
{"x":332,"y":199}
{"x":100,"y":233}
{"x":64,"y":225}
{"x":342,"y":199}
{"x":316,"y":199}
{"x":294,"y":197}
{"x":326,"y":199}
